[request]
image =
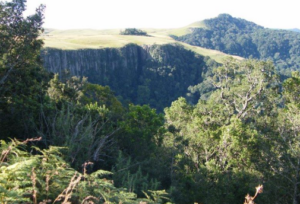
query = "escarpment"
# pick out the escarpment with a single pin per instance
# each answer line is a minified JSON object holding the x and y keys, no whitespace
{"x":155,"y":75}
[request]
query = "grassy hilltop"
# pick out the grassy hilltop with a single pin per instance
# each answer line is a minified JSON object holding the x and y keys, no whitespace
{"x":97,"y":39}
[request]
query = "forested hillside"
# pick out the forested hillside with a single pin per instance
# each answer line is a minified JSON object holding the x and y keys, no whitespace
{"x":67,"y":140}
{"x":243,"y":38}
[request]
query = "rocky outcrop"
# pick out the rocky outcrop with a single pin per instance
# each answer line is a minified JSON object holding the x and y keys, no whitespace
{"x":155,"y":75}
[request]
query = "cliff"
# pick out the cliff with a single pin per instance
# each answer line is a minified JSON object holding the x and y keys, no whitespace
{"x":155,"y":75}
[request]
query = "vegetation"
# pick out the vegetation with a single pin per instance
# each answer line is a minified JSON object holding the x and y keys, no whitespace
{"x":246,"y":39}
{"x":71,"y":113}
{"x":243,"y":130}
{"x":21,"y":95}
{"x":133,"y":31}
{"x":154,"y":75}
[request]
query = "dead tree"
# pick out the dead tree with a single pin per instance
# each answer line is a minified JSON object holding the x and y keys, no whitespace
{"x":249,"y":199}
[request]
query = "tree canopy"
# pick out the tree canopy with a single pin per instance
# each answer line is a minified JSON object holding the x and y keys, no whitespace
{"x":243,"y":38}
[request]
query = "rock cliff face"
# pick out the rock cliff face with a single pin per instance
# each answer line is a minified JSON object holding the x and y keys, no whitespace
{"x":155,"y":75}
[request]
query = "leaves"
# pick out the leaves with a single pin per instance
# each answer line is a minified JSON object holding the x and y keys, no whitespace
{"x":45,"y":175}
{"x":23,"y":81}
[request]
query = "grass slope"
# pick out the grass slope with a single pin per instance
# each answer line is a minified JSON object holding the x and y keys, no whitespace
{"x":97,"y":39}
{"x":187,"y":29}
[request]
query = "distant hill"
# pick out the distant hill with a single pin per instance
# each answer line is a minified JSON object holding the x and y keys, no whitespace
{"x":237,"y":36}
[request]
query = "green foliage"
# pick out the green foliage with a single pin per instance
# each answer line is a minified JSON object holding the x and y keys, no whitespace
{"x":46,"y":177}
{"x":244,"y":86}
{"x":133,"y":31}
{"x":141,"y":164}
{"x":70,"y":89}
{"x":85,"y":130}
{"x":130,"y":176}
{"x":217,"y":153}
{"x":103,"y":96}
{"x":157,"y":196}
{"x":287,"y":142}
{"x":244,"y":130}
{"x":221,"y":140}
{"x":23,"y":81}
{"x":82,"y":117}
{"x":24,"y":175}
{"x":141,"y":131}
{"x":239,"y":37}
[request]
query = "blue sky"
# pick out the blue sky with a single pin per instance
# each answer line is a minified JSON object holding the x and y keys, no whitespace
{"x":108,"y":14}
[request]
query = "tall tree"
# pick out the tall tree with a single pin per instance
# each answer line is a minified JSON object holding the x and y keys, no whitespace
{"x":22,"y":78}
{"x":224,"y":142}
{"x":287,"y":146}
{"x":244,"y":86}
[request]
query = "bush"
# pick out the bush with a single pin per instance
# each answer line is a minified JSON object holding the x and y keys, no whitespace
{"x":133,"y":31}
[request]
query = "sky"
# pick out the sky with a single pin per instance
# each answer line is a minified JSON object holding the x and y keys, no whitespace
{"x":112,"y":14}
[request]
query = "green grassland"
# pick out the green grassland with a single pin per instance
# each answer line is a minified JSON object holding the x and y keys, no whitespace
{"x":187,"y":29}
{"x":97,"y":39}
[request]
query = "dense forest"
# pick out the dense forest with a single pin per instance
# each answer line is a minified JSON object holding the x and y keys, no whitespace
{"x":246,"y":39}
{"x":67,"y":140}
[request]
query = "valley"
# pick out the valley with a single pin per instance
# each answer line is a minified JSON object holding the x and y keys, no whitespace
{"x":205,"y":113}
